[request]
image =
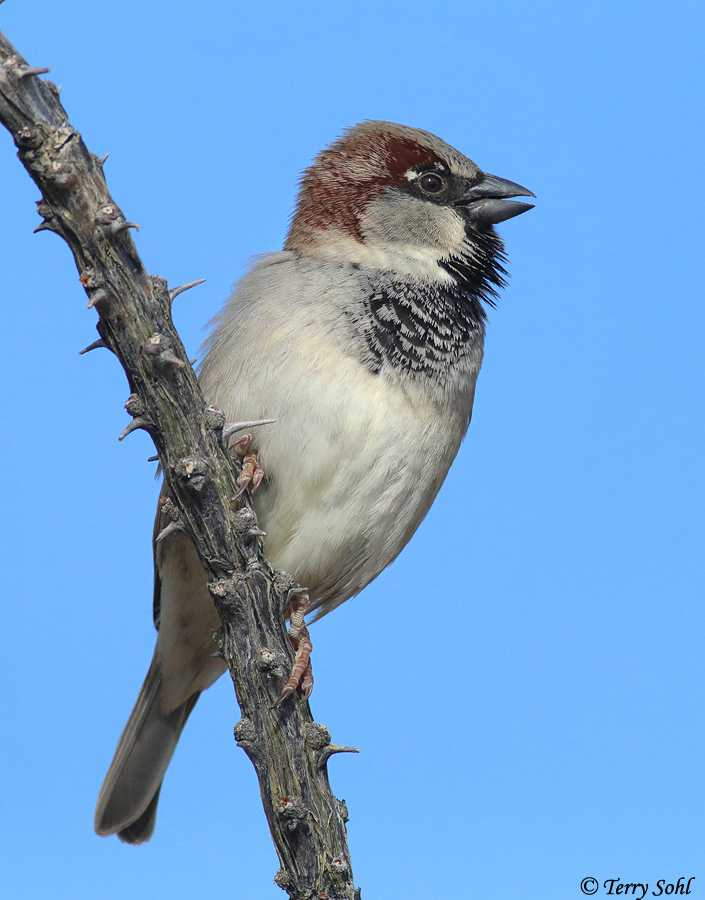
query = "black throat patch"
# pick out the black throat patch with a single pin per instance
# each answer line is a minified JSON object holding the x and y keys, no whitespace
{"x":428,"y":329}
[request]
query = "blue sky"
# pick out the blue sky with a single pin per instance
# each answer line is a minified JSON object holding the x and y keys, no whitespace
{"x":554,"y":592}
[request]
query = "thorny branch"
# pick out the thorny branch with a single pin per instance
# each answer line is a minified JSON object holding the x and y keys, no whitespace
{"x":288,"y":750}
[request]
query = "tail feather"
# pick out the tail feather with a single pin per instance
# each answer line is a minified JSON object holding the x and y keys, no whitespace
{"x":142,"y":829}
{"x":127,"y":803}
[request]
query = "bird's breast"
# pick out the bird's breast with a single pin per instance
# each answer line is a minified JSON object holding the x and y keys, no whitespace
{"x":353,"y":463}
{"x":357,"y":453}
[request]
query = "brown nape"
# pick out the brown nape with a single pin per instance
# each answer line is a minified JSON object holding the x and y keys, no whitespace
{"x":346,"y":176}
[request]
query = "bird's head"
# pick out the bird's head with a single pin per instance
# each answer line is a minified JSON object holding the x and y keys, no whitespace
{"x":400,"y":198}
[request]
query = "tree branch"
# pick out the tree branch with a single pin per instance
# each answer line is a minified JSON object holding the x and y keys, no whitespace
{"x":288,"y":750}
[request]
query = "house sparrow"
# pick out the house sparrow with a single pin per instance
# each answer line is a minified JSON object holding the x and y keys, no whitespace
{"x":362,"y":339}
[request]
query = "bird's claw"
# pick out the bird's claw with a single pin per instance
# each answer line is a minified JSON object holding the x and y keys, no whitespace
{"x":301,"y":672}
{"x":252,"y":473}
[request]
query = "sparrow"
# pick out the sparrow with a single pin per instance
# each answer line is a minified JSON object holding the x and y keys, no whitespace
{"x":362,"y":339}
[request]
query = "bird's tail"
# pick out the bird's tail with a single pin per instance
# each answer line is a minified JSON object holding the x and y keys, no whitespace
{"x":127,"y":803}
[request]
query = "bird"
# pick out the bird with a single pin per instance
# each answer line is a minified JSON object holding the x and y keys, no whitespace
{"x":362,"y":339}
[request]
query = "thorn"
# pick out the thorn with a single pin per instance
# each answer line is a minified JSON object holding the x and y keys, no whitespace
{"x":117,"y":227}
{"x":45,"y":226}
{"x":234,"y":427}
{"x":139,"y":422}
{"x":336,"y":748}
{"x":153,"y":458}
{"x":174,"y":292}
{"x":169,"y":358}
{"x":32,"y":70}
{"x":101,"y":161}
{"x":99,"y":297}
{"x":94,"y":346}
{"x":171,"y":528}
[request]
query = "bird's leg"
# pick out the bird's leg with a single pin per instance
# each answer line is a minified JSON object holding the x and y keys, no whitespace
{"x":252,"y":473}
{"x":301,"y":672}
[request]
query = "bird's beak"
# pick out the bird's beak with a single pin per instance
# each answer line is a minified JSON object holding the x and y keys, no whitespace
{"x":486,"y":203}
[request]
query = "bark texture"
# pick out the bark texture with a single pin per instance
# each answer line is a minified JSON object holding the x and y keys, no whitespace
{"x":287,"y":748}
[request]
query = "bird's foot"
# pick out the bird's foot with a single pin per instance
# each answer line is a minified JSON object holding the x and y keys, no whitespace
{"x":252,"y":473}
{"x":301,"y":672}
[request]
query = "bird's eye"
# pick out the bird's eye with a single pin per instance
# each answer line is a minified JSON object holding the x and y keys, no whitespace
{"x":431,"y":184}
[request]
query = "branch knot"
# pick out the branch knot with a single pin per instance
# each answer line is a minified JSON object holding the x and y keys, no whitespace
{"x":229,"y":593}
{"x":317,"y":736}
{"x":269,"y":660}
{"x":135,"y":405}
{"x":292,"y":812}
{"x":245,"y":732}
{"x":245,"y":526}
{"x":29,"y":139}
{"x":160,"y":351}
{"x":193,"y":471}
{"x":214,"y":418}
